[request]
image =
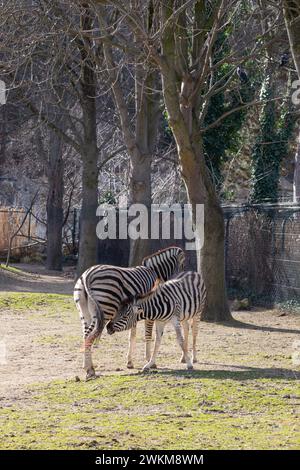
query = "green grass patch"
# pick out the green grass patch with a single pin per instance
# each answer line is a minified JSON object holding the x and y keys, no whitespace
{"x":12,"y":269}
{"x":68,"y":341}
{"x":172,"y":410}
{"x":20,"y":301}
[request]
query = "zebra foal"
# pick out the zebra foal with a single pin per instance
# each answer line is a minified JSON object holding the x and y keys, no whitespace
{"x":179,"y":300}
{"x":101,"y":291}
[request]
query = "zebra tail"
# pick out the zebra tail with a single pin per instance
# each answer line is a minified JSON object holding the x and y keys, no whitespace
{"x":95,"y":311}
{"x":203,"y":294}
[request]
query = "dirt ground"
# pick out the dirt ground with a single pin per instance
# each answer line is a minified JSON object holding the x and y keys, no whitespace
{"x":35,"y":278}
{"x":43,"y":344}
{"x":243,"y":393}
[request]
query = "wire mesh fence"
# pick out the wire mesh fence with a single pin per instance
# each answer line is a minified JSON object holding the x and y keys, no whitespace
{"x":262,"y":249}
{"x":262,"y":252}
{"x":25,"y":233}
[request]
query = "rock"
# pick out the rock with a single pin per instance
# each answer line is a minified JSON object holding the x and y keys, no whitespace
{"x":245,"y":304}
{"x":240,"y":304}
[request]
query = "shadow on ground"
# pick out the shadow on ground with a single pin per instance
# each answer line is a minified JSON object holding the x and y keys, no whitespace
{"x":251,"y":326}
{"x":242,"y":373}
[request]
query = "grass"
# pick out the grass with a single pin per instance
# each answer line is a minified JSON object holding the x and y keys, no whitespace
{"x":40,"y":307}
{"x":177,"y":410}
{"x":24,"y":301}
{"x":12,"y":269}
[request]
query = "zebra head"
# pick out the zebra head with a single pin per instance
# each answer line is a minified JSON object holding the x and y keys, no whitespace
{"x":126,"y":318}
{"x":166,"y":262}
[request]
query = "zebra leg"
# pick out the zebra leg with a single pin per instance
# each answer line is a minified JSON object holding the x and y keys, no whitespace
{"x":186,"y":328}
{"x":180,"y":340}
{"x":159,"y":332}
{"x":89,"y":341}
{"x":195,"y":333}
{"x":132,"y":344}
{"x":87,"y":359}
{"x":148,"y":338}
{"x":85,"y":318}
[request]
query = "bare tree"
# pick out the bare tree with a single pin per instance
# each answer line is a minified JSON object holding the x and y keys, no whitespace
{"x":182,"y":44}
{"x":50,"y":64}
{"x":52,"y":155}
{"x":291,"y":10}
{"x":186,"y":68}
{"x":139,"y":127}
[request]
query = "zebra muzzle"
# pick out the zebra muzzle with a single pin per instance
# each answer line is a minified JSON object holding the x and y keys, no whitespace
{"x":110,"y":328}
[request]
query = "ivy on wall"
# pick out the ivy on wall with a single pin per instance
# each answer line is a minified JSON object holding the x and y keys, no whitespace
{"x":271,"y":146}
{"x":222,"y":141}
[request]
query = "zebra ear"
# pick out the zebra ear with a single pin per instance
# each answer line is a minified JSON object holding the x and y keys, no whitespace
{"x":138,"y":297}
{"x":125,"y":302}
{"x":128,"y":301}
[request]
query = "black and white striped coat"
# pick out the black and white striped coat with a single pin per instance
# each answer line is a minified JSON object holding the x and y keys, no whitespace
{"x":101,"y":290}
{"x":178,"y":300}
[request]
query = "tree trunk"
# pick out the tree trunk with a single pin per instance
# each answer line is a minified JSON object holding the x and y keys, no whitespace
{"x":55,"y":204}
{"x":291,"y":13}
{"x":139,"y":139}
{"x":147,"y":113}
{"x":200,"y":189}
{"x":212,"y":265}
{"x":296,"y":184}
{"x":140,"y":187}
{"x":88,"y":221}
{"x":211,"y":257}
{"x":3,"y":138}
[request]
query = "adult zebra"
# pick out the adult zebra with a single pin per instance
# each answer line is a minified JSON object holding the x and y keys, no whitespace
{"x":178,"y":300}
{"x":102,"y":290}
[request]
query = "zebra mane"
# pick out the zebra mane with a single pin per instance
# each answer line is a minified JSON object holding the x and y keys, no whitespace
{"x":138,"y":300}
{"x":159,"y":252}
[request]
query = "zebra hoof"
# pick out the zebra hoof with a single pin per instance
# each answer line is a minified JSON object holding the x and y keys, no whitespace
{"x":190,"y":367}
{"x":154,"y":366}
{"x":90,"y":375}
{"x":130,"y":365}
